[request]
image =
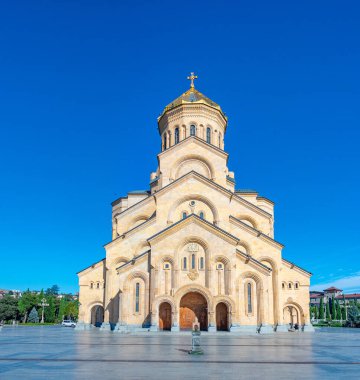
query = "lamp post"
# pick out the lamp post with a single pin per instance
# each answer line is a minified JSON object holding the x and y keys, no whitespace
{"x":43,"y":304}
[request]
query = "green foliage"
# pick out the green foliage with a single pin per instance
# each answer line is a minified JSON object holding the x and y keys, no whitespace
{"x":316,"y":312}
{"x":328,"y":316}
{"x":333,"y":309}
{"x":72,"y":309}
{"x":8,"y":308}
{"x":338,"y":310}
{"x":343,"y":313}
{"x":321,"y":309}
{"x":54,"y":290}
{"x":353,"y":315}
{"x":26,"y":303}
{"x":33,"y":316}
{"x":49,"y":311}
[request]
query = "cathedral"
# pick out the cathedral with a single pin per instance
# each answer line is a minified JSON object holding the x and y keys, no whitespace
{"x":192,"y":245}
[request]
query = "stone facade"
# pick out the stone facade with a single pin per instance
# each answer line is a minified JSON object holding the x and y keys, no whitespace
{"x":193,"y":246}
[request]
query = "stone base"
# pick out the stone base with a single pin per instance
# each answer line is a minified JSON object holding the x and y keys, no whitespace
{"x":82,"y":326}
{"x":154,"y":328}
{"x":175,"y":328}
{"x":282,"y":328}
{"x":211,"y":328}
{"x":235,"y":328}
{"x":120,"y":328}
{"x":266,"y":329}
{"x":244,"y":329}
{"x":105,"y":326}
{"x":308,"y":328}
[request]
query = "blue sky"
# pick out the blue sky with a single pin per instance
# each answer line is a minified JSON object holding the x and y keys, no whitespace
{"x":81,"y":86}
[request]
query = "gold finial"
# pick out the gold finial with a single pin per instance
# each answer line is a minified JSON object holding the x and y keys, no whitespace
{"x":191,"y":78}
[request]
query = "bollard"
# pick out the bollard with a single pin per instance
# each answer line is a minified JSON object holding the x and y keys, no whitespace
{"x":196,"y":346}
{"x":195,"y":339}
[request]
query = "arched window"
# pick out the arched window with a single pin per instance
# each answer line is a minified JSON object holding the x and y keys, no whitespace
{"x":201,"y":263}
{"x":208,"y":135}
{"x":91,"y":285}
{"x":283,"y":285}
{"x":192,"y":130}
{"x":137,"y":297}
{"x":193,"y":261}
{"x":184,"y":263}
{"x":249,"y":296}
{"x":184,"y":214}
{"x":201,"y":215}
{"x":289,"y":285}
{"x":296,"y":285}
{"x":219,"y":140}
{"x":176,"y":135}
{"x":165,"y":141}
{"x":98,"y":285}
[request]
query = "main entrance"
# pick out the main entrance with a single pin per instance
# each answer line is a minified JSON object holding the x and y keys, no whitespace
{"x":165,"y":316}
{"x":97,"y":315}
{"x":193,"y":305}
{"x":221,"y":317}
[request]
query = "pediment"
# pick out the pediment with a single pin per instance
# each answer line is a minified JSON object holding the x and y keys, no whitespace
{"x":193,"y":225}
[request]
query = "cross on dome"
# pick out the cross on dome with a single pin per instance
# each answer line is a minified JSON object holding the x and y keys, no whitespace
{"x":191,"y":78}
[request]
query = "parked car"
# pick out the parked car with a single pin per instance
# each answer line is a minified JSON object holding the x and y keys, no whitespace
{"x":68,"y":323}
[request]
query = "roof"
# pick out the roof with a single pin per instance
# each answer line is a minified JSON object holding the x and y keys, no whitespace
{"x":192,"y":96}
{"x":349,"y":296}
{"x":245,"y":191}
{"x":332,"y":289}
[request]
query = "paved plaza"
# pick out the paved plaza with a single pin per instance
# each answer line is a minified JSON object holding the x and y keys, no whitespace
{"x":52,"y":352}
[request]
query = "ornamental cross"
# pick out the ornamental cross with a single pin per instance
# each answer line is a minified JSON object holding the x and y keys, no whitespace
{"x":191,"y":79}
{"x":43,"y":304}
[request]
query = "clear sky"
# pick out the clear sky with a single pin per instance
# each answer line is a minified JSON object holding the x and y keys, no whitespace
{"x":81,"y":86}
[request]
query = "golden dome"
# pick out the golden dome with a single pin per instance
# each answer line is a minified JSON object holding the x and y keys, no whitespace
{"x":192,"y":96}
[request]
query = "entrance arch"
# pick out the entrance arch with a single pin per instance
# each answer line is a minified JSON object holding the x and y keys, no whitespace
{"x":97,"y":315}
{"x":222,"y":320}
{"x":165,"y":316}
{"x":193,"y":305}
{"x":291,"y":315}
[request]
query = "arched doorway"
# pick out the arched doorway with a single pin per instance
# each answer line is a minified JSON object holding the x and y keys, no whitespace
{"x":291,"y":316}
{"x":193,"y":305}
{"x":97,"y":315}
{"x":222,"y":321}
{"x":165,"y":316}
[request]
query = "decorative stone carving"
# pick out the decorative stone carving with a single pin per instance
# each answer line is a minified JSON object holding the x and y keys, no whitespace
{"x":193,"y":274}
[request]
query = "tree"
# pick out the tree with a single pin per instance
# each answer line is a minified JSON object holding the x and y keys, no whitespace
{"x":72,"y":309}
{"x":26,"y":303}
{"x":316,"y":312}
{"x":33,"y":316}
{"x":8,"y":308}
{"x":54,"y":290}
{"x":62,"y":306}
{"x":49,"y":311}
{"x":338,"y":310}
{"x":328,"y":316}
{"x":333,"y":309}
{"x":343,"y":313}
{"x":321,"y":309}
{"x":353,"y":315}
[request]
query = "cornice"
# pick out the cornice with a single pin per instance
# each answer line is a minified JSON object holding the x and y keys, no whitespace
{"x":133,"y":260}
{"x":196,"y":139}
{"x":255,"y":232}
{"x":130,"y":232}
{"x":291,"y":265}
{"x":248,"y":259}
{"x":142,"y":202}
{"x":193,"y":107}
{"x":193,"y":218}
{"x":92,"y":266}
